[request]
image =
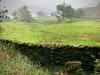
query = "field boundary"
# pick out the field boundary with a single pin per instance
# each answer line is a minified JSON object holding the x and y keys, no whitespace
{"x":56,"y":54}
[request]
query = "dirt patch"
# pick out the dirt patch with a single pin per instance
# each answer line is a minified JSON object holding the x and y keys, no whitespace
{"x":87,"y":37}
{"x":83,"y":36}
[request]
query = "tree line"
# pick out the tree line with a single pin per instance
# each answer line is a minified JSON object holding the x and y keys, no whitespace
{"x":22,"y":14}
{"x":62,"y":11}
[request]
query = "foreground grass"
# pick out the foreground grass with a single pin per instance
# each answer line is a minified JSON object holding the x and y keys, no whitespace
{"x":73,"y":33}
{"x":14,"y":63}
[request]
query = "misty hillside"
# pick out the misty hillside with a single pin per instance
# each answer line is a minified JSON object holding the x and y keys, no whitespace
{"x":12,"y":5}
{"x":91,"y":5}
{"x":93,"y":12}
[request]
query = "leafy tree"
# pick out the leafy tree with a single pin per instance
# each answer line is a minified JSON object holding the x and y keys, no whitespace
{"x":66,"y":10}
{"x":15,"y":15}
{"x":23,"y":14}
{"x":79,"y":12}
{"x":41,"y":13}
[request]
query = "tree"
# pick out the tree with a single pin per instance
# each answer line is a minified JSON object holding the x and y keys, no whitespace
{"x":41,"y":13}
{"x":66,"y":10}
{"x":25,"y":15}
{"x":22,"y":14}
{"x":15,"y":15}
{"x":79,"y":12}
{"x":3,"y":16}
{"x":57,"y":14}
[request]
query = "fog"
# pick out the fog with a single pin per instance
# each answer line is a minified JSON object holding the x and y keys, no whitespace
{"x":47,"y":6}
{"x":52,"y":3}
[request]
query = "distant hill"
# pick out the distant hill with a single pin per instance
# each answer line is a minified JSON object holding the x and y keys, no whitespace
{"x":93,"y":4}
{"x":93,"y":12}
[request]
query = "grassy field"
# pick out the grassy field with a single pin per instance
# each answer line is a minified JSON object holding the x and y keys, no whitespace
{"x":45,"y":18}
{"x":73,"y":33}
{"x":52,"y":19}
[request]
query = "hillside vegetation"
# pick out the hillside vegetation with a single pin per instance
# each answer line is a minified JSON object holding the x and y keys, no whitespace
{"x":93,"y":12}
{"x":73,"y":33}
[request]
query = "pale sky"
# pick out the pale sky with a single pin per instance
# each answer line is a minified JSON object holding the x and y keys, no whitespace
{"x":47,"y":6}
{"x":74,"y":3}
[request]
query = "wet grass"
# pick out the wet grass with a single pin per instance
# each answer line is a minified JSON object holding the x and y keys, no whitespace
{"x":72,"y":33}
{"x":13,"y":62}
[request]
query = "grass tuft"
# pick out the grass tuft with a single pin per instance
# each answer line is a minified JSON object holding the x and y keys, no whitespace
{"x":13,"y":62}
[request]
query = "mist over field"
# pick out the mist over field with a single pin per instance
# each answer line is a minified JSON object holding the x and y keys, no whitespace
{"x":47,"y":6}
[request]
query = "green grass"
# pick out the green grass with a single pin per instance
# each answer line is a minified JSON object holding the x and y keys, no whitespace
{"x":74,"y":33}
{"x":20,"y":32}
{"x":45,"y":18}
{"x":13,"y":62}
{"x":52,"y":19}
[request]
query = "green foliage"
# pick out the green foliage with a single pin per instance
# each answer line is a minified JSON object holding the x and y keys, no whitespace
{"x":79,"y":12}
{"x":13,"y":62}
{"x":66,"y":10}
{"x":57,"y":14}
{"x":23,"y":14}
{"x":15,"y":14}
{"x":96,"y":65}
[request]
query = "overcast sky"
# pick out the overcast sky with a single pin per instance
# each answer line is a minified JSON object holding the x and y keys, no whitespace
{"x":47,"y":6}
{"x":74,"y":3}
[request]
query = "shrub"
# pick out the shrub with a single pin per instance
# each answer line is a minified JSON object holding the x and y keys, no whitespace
{"x":96,"y":65}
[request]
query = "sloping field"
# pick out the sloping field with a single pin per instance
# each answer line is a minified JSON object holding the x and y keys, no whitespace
{"x":93,"y":12}
{"x":75,"y":33}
